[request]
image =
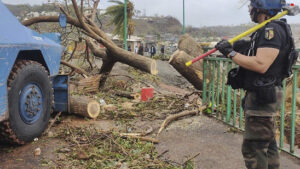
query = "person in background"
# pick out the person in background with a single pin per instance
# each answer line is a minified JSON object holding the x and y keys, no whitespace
{"x":129,"y":48}
{"x":136,"y":49}
{"x":162,"y":51}
{"x":147,"y":50}
{"x":141,"y":50}
{"x":152,"y":51}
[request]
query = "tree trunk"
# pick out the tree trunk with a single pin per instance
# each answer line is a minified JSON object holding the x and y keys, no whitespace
{"x":192,"y":73}
{"x":189,"y":46}
{"x":105,"y":70}
{"x":137,"y":61}
{"x":84,"y":106}
{"x":119,"y":55}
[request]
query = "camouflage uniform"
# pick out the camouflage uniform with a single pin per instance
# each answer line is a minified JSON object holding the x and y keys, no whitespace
{"x":259,"y":145}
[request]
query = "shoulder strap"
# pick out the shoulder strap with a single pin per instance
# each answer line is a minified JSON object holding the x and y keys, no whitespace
{"x":288,"y":30}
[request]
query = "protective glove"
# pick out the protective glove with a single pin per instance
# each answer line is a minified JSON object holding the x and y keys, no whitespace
{"x":224,"y":47}
{"x":242,"y":46}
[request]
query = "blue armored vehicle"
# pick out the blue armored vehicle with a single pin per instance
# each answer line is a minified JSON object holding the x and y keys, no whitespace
{"x":29,"y":65}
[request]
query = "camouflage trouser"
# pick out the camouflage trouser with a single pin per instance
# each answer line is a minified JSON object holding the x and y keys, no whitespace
{"x":259,"y":145}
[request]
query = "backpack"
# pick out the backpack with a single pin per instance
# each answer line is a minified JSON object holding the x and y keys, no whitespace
{"x":292,"y":52}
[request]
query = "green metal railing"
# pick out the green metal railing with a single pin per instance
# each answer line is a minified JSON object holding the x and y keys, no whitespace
{"x":226,"y":103}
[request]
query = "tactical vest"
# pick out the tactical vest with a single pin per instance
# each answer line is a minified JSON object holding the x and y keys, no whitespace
{"x":279,"y":68}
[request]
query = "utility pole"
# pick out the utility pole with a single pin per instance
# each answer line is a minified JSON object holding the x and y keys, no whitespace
{"x":183,"y":24}
{"x":125,"y":24}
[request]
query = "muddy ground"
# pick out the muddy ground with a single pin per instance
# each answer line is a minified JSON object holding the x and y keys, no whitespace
{"x":210,"y":142}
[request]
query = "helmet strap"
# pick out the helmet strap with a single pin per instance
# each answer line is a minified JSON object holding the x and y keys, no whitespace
{"x":255,"y":13}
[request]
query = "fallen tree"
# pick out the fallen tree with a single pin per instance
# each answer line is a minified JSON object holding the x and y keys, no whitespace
{"x":110,"y":54}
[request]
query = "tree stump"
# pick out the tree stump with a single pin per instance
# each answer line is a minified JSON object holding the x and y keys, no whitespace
{"x":89,"y":85}
{"x":190,"y":46}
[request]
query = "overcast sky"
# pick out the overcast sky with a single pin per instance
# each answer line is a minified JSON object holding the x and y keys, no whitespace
{"x":198,"y":12}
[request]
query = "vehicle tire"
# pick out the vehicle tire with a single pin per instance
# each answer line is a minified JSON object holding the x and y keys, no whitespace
{"x":30,"y":97}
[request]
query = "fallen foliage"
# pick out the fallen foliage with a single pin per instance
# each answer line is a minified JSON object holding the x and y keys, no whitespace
{"x":91,"y":148}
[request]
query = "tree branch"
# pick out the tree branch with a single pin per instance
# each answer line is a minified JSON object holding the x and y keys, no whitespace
{"x":96,"y":3}
{"x":77,"y":69}
{"x":102,"y":53}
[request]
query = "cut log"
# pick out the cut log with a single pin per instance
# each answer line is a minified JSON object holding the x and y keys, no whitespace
{"x":84,"y":106}
{"x":192,"y":73}
{"x":189,"y":46}
{"x":137,"y":61}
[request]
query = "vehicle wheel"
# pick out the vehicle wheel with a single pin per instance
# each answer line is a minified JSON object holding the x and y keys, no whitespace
{"x":30,"y":97}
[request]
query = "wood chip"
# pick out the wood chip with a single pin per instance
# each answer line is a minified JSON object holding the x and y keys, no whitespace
{"x":37,"y":152}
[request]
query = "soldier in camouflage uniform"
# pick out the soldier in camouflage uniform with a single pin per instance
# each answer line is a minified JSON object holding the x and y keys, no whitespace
{"x":261,"y":71}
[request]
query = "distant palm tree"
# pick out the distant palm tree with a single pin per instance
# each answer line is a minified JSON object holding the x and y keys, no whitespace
{"x":117,"y":13}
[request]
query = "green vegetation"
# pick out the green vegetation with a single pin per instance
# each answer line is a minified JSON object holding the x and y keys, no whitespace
{"x":117,"y":14}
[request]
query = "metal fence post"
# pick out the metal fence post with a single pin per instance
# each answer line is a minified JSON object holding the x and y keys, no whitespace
{"x":213,"y":86}
{"x":282,"y":113}
{"x":228,"y":110}
{"x":293,"y":120}
{"x":204,"y":81}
